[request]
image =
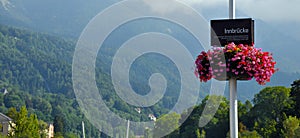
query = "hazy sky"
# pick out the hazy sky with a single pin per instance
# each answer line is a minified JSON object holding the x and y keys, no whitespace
{"x":280,"y":14}
{"x":5,"y":4}
{"x":267,"y":10}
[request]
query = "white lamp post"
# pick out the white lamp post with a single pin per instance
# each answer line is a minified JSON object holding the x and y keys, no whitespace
{"x":232,"y":88}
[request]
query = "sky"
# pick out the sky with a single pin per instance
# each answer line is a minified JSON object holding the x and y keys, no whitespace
{"x":280,"y":11}
{"x":5,"y":4}
{"x":267,"y":10}
{"x":282,"y":15}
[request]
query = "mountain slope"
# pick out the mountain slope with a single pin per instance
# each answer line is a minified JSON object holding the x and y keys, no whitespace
{"x":66,"y":17}
{"x":39,"y":59}
{"x":39,"y":66}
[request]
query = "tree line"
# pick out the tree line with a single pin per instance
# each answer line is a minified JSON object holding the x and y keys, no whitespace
{"x":274,"y":112}
{"x":35,"y":69}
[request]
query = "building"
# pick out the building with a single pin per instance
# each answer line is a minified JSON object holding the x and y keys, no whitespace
{"x":152,"y":117}
{"x":5,"y":124}
{"x":50,"y":131}
{"x":4,"y":91}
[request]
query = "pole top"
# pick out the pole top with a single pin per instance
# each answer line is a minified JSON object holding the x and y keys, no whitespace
{"x":231,"y":9}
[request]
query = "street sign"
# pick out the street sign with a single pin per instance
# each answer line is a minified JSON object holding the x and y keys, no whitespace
{"x":239,"y":31}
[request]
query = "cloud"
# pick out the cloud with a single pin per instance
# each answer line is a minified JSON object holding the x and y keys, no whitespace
{"x":271,"y":10}
{"x":164,"y":7}
{"x":267,"y":10}
{"x":5,"y":4}
{"x":161,"y":6}
{"x":204,"y":2}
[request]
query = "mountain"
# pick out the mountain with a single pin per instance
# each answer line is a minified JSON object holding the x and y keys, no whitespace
{"x":68,"y":18}
{"x":35,"y":72}
{"x":32,"y":60}
{"x":37,"y":59}
{"x":35,"y":69}
{"x":64,"y":18}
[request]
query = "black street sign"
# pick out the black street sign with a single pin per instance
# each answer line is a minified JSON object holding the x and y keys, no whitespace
{"x":239,"y":31}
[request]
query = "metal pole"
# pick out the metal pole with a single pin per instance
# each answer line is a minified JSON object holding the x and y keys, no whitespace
{"x":83,"y":131}
{"x":231,"y":9}
{"x":233,"y":108}
{"x":233,"y":86}
{"x":127,"y":133}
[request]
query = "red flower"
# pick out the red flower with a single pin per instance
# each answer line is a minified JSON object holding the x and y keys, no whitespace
{"x":236,"y":60}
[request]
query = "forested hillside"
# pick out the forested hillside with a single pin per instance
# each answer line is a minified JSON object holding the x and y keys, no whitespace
{"x":274,"y":112}
{"x":35,"y":62}
{"x":36,"y":72}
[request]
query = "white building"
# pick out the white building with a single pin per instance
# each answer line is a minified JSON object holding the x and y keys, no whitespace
{"x":5,"y":124}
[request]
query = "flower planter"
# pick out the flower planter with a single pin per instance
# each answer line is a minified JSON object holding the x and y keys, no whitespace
{"x":242,"y":62}
{"x":229,"y":75}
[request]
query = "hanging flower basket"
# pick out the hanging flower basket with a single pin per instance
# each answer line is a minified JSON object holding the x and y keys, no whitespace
{"x":242,"y":62}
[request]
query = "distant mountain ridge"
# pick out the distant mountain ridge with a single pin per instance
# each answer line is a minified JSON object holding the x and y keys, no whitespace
{"x":68,"y":18}
{"x":33,"y":60}
{"x":65,"y":18}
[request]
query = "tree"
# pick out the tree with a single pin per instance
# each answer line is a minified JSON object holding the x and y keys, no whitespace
{"x":295,"y":94}
{"x":166,"y":124}
{"x":249,"y":134}
{"x":58,"y":124}
{"x":23,"y":126}
{"x":13,"y":100}
{"x":272,"y":102}
{"x":200,"y":134}
{"x":58,"y":135}
{"x":244,"y":133}
{"x":243,"y":110}
{"x":267,"y":128}
{"x":297,"y":133}
{"x":70,"y":135}
{"x":270,"y":105}
{"x":147,"y":133}
{"x":42,"y":127}
{"x":33,"y":126}
{"x":218,"y":123}
{"x":290,"y":125}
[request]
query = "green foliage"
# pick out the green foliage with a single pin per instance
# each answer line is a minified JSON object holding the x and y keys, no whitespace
{"x":200,"y":134}
{"x":278,"y":97}
{"x":148,"y":134}
{"x":48,"y":107}
{"x":268,"y":128}
{"x":245,"y":133}
{"x":2,"y":136}
{"x":218,"y":123}
{"x":295,"y":94}
{"x":166,"y":124}
{"x":266,"y":118}
{"x":290,"y":125}
{"x":41,"y":60}
{"x":58,"y":124}
{"x":58,"y":135}
{"x":244,"y":108}
{"x":23,"y":126}
{"x":70,"y":135}
{"x":36,"y":71}
{"x":12,"y":100}
{"x":249,"y":134}
{"x":43,"y":126}
{"x":297,"y":133}
{"x":268,"y":112}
